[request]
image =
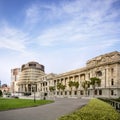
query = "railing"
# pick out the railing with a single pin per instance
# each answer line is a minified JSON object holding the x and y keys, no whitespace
{"x":114,"y":103}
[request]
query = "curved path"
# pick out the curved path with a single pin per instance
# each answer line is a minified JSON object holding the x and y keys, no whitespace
{"x":45,"y":112}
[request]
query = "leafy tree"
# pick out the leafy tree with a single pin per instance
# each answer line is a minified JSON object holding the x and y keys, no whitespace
{"x":59,"y":86}
{"x":71,"y":84}
{"x":76,"y":84}
{"x":63,"y":87}
{"x":94,"y":82}
{"x":51,"y":88}
{"x":86,"y":85}
{"x":1,"y":93}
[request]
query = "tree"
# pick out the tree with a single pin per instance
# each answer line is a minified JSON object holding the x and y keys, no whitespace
{"x":94,"y":82}
{"x":60,"y":87}
{"x":71,"y":83}
{"x":1,"y":93}
{"x":86,"y":85}
{"x":51,"y":88}
{"x":63,"y":87}
{"x":76,"y":84}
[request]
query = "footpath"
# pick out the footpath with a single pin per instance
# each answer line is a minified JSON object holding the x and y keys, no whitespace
{"x":51,"y":111}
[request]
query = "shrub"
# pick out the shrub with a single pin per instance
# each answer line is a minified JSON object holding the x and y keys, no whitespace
{"x":95,"y":110}
{"x":1,"y":93}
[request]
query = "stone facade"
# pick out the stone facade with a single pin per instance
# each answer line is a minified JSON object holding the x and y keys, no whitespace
{"x":106,"y":67}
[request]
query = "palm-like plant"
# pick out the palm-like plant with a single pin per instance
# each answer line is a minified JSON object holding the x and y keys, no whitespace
{"x":71,"y":83}
{"x":63,"y":87}
{"x":94,"y":82}
{"x":76,"y":84}
{"x":51,"y":88}
{"x":86,"y":85}
{"x":59,"y":86}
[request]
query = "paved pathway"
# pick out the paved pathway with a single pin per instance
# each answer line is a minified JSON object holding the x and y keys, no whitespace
{"x":45,"y":112}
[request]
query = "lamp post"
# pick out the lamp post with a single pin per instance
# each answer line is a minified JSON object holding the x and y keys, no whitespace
{"x":34,"y":86}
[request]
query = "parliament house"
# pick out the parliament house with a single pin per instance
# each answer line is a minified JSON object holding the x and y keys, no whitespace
{"x":31,"y":78}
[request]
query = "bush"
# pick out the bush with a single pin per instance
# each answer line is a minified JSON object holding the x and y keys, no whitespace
{"x":95,"y":110}
{"x":1,"y":93}
{"x":27,"y":94}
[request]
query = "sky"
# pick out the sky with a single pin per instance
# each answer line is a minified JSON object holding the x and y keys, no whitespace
{"x":60,"y":34}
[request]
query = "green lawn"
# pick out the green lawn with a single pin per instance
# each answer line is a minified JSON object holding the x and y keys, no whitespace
{"x":95,"y":110}
{"x":6,"y":104}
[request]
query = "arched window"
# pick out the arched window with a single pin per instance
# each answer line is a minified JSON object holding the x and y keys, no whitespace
{"x":112,"y":82}
{"x":98,"y":73}
{"x":112,"y":92}
{"x":112,"y":71}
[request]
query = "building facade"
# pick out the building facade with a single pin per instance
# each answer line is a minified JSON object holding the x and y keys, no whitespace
{"x":15,"y":73}
{"x":32,"y":78}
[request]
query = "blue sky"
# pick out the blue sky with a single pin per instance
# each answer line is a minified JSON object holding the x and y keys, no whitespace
{"x":60,"y":34}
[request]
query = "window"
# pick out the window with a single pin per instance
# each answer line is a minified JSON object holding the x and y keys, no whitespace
{"x":112,"y":82}
{"x":112,"y":92}
{"x":98,"y":73}
{"x":75,"y":92}
{"x":81,"y":92}
{"x":54,"y":82}
{"x":100,"y":92}
{"x":88,"y":92}
{"x":69,"y":92}
{"x":112,"y":71}
{"x":32,"y":65}
{"x":95,"y":92}
{"x":65,"y":92}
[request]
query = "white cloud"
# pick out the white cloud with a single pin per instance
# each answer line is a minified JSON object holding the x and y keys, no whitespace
{"x":13,"y":39}
{"x":85,"y":23}
{"x":74,"y":31}
{"x":32,"y":14}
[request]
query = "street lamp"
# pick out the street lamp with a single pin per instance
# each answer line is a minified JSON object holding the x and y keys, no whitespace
{"x":34,"y":86}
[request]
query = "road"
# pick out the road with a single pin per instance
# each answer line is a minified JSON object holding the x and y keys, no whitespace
{"x":51,"y":111}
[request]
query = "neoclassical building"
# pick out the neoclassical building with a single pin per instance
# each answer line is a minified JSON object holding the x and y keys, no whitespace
{"x":31,"y":77}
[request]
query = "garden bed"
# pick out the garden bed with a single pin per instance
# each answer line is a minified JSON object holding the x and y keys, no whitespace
{"x":95,"y":110}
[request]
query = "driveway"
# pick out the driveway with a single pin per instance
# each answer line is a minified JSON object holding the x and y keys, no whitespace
{"x":51,"y":111}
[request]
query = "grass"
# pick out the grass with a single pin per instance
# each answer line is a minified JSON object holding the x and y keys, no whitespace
{"x":7,"y":104}
{"x":95,"y":110}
